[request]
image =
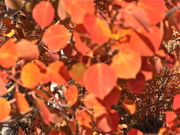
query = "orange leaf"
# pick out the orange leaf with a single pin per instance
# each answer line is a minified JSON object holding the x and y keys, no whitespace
{"x":71,"y":95}
{"x":5,"y":108}
{"x":155,"y":9}
{"x":176,"y":103}
{"x":83,"y":119}
{"x":27,"y":50}
{"x":126,"y":63}
{"x":78,"y":9}
{"x":53,"y":72}
{"x":30,"y":75}
{"x":43,"y":13}
{"x":91,"y":102}
{"x":129,"y":106}
{"x":80,"y":46}
{"x":22,"y":103}
{"x":8,"y":55}
{"x":97,"y":28}
{"x":99,"y":79}
{"x":56,"y":37}
{"x":132,"y":18}
{"x":44,"y":111}
{"x":146,"y":43}
{"x":3,"y":89}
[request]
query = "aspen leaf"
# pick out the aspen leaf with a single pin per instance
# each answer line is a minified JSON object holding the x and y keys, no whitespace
{"x":97,"y":28}
{"x":78,"y":9}
{"x":3,"y":89}
{"x":136,"y":85}
{"x":56,"y":37}
{"x":99,"y":79}
{"x":8,"y":55}
{"x":27,"y":50}
{"x":132,"y":18}
{"x":30,"y":75}
{"x":107,"y":122}
{"x":43,"y":13}
{"x":91,"y":102}
{"x":77,"y":72}
{"x":71,"y":95}
{"x":126,"y":63}
{"x":146,"y":43}
{"x":53,"y":72}
{"x":176,"y":102}
{"x":80,"y":46}
{"x":22,"y":103}
{"x":46,"y":115}
{"x":5,"y":109}
{"x":83,"y":118}
{"x":129,"y":106}
{"x":134,"y":131}
{"x":152,"y":7}
{"x":170,"y":117}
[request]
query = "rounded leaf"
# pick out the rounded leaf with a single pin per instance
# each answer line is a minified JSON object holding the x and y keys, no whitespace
{"x":71,"y":95}
{"x":97,"y":28}
{"x":56,"y":37}
{"x":126,"y":63}
{"x":30,"y":75}
{"x":22,"y":103}
{"x":99,"y":79}
{"x":5,"y":109}
{"x":8,"y":55}
{"x":43,"y":13}
{"x":77,"y":9}
{"x":27,"y":50}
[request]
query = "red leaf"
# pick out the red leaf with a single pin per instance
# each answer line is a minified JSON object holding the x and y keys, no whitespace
{"x":112,"y":98}
{"x":5,"y":108}
{"x":27,"y":50}
{"x":136,"y":85}
{"x":176,"y":103}
{"x":43,"y":13}
{"x":134,"y":131}
{"x":56,"y":37}
{"x":97,"y":28}
{"x":126,"y":63}
{"x":78,"y":9}
{"x":99,"y":79}
{"x":71,"y":95}
{"x":107,"y":122}
{"x":170,"y":117}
